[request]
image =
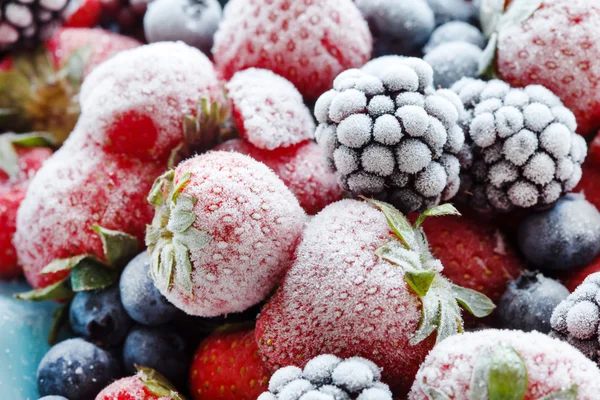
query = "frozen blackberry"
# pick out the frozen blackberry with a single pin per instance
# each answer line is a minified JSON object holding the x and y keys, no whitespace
{"x":328,"y":377}
{"x":577,"y":318}
{"x":521,"y":149}
{"x":391,"y":135}
{"x":23,"y":23}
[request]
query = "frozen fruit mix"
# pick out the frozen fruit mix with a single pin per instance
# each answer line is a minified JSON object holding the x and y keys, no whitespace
{"x":301,"y":199}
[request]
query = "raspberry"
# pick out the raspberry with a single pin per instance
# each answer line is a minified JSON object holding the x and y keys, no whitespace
{"x":300,"y":167}
{"x":223,"y":235}
{"x":391,"y":135}
{"x":521,"y":149}
{"x":308,"y":42}
{"x":268,"y":110}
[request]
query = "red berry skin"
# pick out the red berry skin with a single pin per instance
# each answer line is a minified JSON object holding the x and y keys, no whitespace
{"x":576,"y":278}
{"x":556,"y":47}
{"x":228,"y":366}
{"x":589,"y":184}
{"x":130,"y":388}
{"x":86,"y":15}
{"x":474,"y":253}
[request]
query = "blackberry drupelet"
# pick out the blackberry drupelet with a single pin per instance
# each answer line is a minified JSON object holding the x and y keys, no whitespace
{"x":521,"y":149}
{"x":391,"y":135}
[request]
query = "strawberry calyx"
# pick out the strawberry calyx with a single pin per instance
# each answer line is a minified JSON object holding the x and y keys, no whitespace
{"x":156,"y":383}
{"x":171,"y":235}
{"x":35,"y":96}
{"x":9,"y":142}
{"x":440,"y":299}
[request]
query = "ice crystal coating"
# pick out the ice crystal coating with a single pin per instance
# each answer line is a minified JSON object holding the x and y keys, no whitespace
{"x":455,"y":31}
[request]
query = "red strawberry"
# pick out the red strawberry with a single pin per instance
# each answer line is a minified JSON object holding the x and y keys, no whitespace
{"x":228,"y":366}
{"x":555,"y":47}
{"x":14,"y":179}
{"x":576,"y":278}
{"x":147,"y":384}
{"x":308,"y":42}
{"x":474,"y":253}
{"x":502,"y":364}
{"x":83,"y":13}
{"x":357,"y":289}
{"x":589,"y":184}
{"x":302,"y":168}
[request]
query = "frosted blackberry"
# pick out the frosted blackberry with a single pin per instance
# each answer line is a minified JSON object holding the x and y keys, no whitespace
{"x":521,"y":149}
{"x":391,"y":135}
{"x":23,"y":23}
{"x":328,"y":377}
{"x":577,"y":318}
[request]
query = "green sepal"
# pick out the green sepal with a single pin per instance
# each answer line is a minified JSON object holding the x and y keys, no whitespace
{"x":8,"y":153}
{"x":508,"y":374}
{"x":420,"y":280}
{"x":183,"y":181}
{"x":156,"y":196}
{"x":92,"y":275}
{"x":60,"y":318}
{"x":398,"y":223}
{"x":566,"y":394}
{"x":63,"y":264}
{"x":57,"y":291}
{"x":430,"y":313}
{"x":73,"y":67}
{"x":438,"y":211}
{"x":474,"y":302}
{"x":118,"y":247}
{"x":479,"y":385}
{"x":434,"y":394}
{"x":157,"y":383}
{"x":487,"y":59}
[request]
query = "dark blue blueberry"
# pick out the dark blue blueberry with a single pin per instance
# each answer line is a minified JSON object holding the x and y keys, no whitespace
{"x":453,"y":61}
{"x":99,"y":316}
{"x":565,"y":237}
{"x":191,"y":21}
{"x":453,"y":10}
{"x":455,"y":31}
{"x":398,"y":27}
{"x":76,"y":369}
{"x":160,"y":348}
{"x":529,"y":301}
{"x":141,"y":299}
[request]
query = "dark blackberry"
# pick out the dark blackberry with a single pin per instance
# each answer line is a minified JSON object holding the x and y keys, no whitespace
{"x":328,"y":377}
{"x":521,"y":149}
{"x":391,"y":135}
{"x":24,"y":23}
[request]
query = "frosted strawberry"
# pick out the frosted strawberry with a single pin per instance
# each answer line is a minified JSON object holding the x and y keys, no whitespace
{"x":223,"y":234}
{"x":268,"y":110}
{"x":364,"y":283}
{"x":147,"y":384}
{"x":496,"y":364}
{"x":21,"y":156}
{"x":307,"y":42}
{"x":302,"y":168}
{"x":135,"y":103}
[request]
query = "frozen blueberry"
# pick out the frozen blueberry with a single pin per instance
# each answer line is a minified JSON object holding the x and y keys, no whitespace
{"x":157,"y":347}
{"x":452,"y":61}
{"x":76,"y":369}
{"x":141,"y":299}
{"x":453,"y":10}
{"x":194,"y":22}
{"x":99,"y":316}
{"x":455,"y":31}
{"x":562,"y":238}
{"x":399,"y":27}
{"x":529,"y":301}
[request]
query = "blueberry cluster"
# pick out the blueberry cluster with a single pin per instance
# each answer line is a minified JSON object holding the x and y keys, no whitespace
{"x":521,"y":147}
{"x":390,"y":134}
{"x":577,"y":319}
{"x":328,"y":377}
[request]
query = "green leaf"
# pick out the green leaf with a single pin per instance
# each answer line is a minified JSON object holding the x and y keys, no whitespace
{"x":74,"y":66}
{"x":517,"y":12}
{"x":156,"y":196}
{"x":164,"y":275}
{"x":183,"y":268}
{"x":399,"y":224}
{"x":60,"y":318}
{"x":450,"y":320}
{"x":397,"y":254}
{"x":474,"y":302}
{"x":63,"y":264}
{"x":183,"y":181}
{"x":9,"y":160}
{"x":508,"y":374}
{"x":490,"y":12}
{"x":157,"y":383}
{"x":57,"y":291}
{"x":119,"y":247}
{"x":487,"y":58}
{"x":478,"y":388}
{"x":33,"y":139}
{"x":420,"y":280}
{"x":443,"y":209}
{"x":566,"y":394}
{"x":180,"y":221}
{"x":91,"y":275}
{"x":430,"y":308}
{"x":434,"y":394}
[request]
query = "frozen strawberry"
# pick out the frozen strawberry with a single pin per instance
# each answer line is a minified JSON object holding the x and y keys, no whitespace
{"x":576,"y":278}
{"x":135,"y":103}
{"x":268,"y":110}
{"x":302,"y":168}
{"x":22,"y":156}
{"x":83,"y":13}
{"x":223,"y":235}
{"x":71,"y":202}
{"x":147,"y":384}
{"x":496,"y":364}
{"x":307,"y":42}
{"x":357,"y":289}
{"x":555,"y":47}
{"x":227,"y":366}
{"x":41,"y":94}
{"x":474,"y":252}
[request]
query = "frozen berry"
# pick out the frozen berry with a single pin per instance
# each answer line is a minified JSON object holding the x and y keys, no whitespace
{"x":147,"y":384}
{"x":452,"y":61}
{"x":453,"y":10}
{"x":455,"y":31}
